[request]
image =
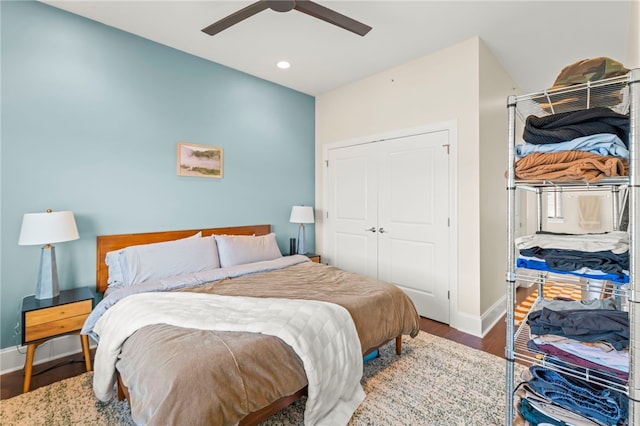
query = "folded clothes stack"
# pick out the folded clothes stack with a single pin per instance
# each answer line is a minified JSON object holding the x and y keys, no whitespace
{"x":587,"y":338}
{"x":583,"y":144}
{"x":577,"y":145}
{"x":603,"y":256}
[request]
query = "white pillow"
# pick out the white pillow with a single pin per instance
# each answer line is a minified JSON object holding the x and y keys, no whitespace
{"x":113,"y":259}
{"x":242,"y":249}
{"x":115,"y":278}
{"x":168,"y":259}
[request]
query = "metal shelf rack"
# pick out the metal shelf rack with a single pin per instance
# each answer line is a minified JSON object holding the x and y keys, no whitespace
{"x":621,"y":94}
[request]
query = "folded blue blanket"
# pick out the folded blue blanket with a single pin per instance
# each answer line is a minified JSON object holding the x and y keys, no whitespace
{"x":600,"y":144}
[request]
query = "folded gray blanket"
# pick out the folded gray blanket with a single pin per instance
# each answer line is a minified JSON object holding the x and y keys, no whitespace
{"x":567,"y":126}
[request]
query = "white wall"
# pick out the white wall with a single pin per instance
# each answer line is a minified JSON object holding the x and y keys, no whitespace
{"x":495,"y":85}
{"x":436,"y":88}
{"x":633,"y":49}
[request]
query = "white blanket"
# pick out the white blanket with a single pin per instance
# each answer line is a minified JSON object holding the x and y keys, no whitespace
{"x":322,"y":334}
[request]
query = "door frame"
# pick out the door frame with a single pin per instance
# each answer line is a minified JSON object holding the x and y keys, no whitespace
{"x":451,"y":127}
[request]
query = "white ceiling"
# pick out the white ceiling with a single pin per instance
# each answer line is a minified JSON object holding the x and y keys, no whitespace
{"x":533,"y":40}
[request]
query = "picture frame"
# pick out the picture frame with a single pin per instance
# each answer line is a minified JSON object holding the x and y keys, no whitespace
{"x":199,"y":160}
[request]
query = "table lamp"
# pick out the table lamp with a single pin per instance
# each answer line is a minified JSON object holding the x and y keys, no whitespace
{"x":47,"y":228}
{"x":301,"y":215}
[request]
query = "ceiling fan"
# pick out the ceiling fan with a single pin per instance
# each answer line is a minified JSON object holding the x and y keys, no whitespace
{"x":305,"y":6}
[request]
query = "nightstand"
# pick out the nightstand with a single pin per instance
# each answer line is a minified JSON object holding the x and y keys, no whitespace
{"x":314,"y":257}
{"x":48,"y":318}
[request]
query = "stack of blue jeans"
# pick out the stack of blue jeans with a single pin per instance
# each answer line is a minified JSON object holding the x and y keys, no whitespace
{"x":602,"y":405}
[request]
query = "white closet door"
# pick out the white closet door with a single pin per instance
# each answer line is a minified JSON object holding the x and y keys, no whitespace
{"x":388,"y":212}
{"x":413,"y":214}
{"x":352,"y":207}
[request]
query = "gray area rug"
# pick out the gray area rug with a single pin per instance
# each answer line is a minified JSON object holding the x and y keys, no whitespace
{"x":435,"y":382}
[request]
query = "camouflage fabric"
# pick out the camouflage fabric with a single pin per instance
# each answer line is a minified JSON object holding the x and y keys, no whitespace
{"x":589,"y":70}
{"x":562,"y":99}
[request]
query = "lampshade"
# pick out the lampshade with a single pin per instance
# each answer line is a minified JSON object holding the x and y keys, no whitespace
{"x":301,"y":214}
{"x":47,"y":228}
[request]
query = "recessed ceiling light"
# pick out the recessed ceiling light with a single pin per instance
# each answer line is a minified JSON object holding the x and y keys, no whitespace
{"x":284,"y":65}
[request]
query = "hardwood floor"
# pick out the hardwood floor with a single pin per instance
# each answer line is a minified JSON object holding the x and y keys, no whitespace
{"x":47,"y":373}
{"x":43,"y":374}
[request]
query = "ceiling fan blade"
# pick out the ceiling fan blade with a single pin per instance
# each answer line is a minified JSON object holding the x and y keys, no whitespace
{"x":332,"y":17}
{"x":236,"y":17}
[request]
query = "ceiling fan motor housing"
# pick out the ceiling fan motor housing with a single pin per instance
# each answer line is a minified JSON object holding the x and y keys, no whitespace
{"x":281,"y":5}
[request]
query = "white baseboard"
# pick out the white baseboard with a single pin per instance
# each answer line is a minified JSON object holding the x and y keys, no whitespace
{"x":493,"y":315}
{"x":12,"y":359}
{"x":467,"y":323}
{"x":479,"y":326}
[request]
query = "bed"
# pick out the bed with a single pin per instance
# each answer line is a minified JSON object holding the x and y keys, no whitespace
{"x":241,"y":337}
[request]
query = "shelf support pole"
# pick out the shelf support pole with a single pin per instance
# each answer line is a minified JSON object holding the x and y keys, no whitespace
{"x":511,"y":263}
{"x":634,"y":246}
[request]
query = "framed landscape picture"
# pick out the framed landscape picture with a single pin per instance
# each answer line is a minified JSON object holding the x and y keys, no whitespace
{"x":199,"y":160}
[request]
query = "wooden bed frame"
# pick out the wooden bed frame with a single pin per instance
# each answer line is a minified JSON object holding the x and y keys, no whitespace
{"x":107,"y":243}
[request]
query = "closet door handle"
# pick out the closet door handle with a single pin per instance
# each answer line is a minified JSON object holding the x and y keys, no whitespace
{"x":381,"y":230}
{"x":372,"y":229}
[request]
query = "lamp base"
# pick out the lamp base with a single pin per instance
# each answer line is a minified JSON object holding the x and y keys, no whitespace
{"x":301,"y":247}
{"x":47,"y":284}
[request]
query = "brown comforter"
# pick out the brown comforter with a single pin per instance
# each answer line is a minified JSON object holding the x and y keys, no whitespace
{"x":570,"y":165}
{"x":198,"y":377}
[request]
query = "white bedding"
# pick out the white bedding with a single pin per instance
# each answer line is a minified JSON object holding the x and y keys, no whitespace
{"x":322,"y":334}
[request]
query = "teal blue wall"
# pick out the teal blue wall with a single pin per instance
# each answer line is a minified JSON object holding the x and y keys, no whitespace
{"x":90,"y":120}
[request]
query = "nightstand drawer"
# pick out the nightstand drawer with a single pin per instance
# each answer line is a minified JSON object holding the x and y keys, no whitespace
{"x":56,"y":320}
{"x":55,"y":328}
{"x":58,"y":312}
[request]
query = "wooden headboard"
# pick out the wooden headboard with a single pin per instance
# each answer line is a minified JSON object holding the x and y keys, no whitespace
{"x":107,"y":243}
